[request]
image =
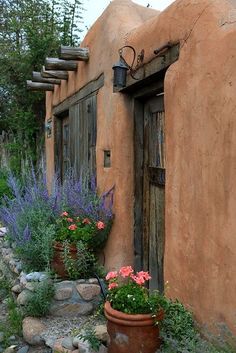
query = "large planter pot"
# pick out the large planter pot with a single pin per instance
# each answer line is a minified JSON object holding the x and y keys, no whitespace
{"x":57,"y":263}
{"x":132,"y":333}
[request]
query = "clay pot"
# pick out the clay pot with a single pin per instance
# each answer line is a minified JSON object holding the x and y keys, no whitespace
{"x":132,"y":333}
{"x":57,"y":263}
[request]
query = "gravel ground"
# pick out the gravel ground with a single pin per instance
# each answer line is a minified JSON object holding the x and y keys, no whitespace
{"x":61,"y":326}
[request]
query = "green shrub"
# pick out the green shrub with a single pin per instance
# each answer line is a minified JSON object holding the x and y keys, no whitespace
{"x":84,"y":266}
{"x":89,"y":335}
{"x":39,"y":301}
{"x":4,"y":188}
{"x":178,"y":322}
{"x":181,"y":336}
{"x":12,"y":324}
{"x":37,"y":252}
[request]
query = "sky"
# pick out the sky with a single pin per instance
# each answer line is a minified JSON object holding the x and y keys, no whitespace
{"x":94,"y":8}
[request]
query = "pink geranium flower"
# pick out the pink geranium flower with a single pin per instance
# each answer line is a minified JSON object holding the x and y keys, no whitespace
{"x":72,"y":227}
{"x":112,"y":285}
{"x":111,"y":275}
{"x":144,"y":275}
{"x":100,"y":225}
{"x":126,"y":271}
{"x":70,"y":220}
{"x":86,"y":221}
{"x":64,"y":214}
{"x":138,"y":280}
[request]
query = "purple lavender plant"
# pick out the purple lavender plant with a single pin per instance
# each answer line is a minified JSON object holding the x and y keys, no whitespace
{"x":33,"y":208}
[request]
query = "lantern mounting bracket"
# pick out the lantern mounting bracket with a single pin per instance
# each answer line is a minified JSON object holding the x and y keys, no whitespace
{"x":140,"y":58}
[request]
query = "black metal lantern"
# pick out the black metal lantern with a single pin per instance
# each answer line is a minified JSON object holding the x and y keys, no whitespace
{"x":120,"y":73}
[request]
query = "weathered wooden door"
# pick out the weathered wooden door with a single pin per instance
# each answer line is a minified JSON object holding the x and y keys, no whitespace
{"x":76,"y":139}
{"x":154,"y":190}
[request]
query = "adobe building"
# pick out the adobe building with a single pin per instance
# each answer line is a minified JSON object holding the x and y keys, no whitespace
{"x":166,"y":141}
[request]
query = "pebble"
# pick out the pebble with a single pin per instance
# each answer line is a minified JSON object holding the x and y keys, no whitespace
{"x":67,"y":343}
{"x":11,"y":349}
{"x":23,"y":349}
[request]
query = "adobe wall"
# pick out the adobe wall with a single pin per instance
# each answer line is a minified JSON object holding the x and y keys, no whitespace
{"x":200,"y":106}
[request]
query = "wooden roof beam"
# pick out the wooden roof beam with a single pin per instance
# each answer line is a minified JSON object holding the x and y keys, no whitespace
{"x":58,"y":64}
{"x":73,"y":53}
{"x":37,"y":77}
{"x":39,"y":86}
{"x":61,"y":75}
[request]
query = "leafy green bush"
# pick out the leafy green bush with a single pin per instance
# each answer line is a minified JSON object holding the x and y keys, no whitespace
{"x":39,"y":301}
{"x":89,"y":335}
{"x":4,"y":188}
{"x":12,"y":324}
{"x":178,"y":322}
{"x":84,"y":266}
{"x":36,"y":253}
{"x":181,"y":336}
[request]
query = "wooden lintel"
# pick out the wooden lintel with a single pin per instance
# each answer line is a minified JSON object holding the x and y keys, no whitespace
{"x":73,"y":53}
{"x":90,"y":88}
{"x":58,"y":64}
{"x":37,"y":77}
{"x":61,"y":75}
{"x":39,"y":86}
{"x":148,"y":71}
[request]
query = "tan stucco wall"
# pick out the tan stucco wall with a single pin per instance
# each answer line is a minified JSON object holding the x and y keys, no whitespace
{"x":200,"y":105}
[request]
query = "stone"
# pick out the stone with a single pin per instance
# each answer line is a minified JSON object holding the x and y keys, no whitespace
{"x":23,"y":297}
{"x":84,"y":346}
{"x":43,"y":277}
{"x":75,"y":341}
{"x":67,"y":342}
{"x":93,"y":281}
{"x":71,"y":309}
{"x":35,"y":349}
{"x":57,"y":348}
{"x":18,"y":266}
{"x":101,"y":333}
{"x":50,"y":341}
{"x":63,"y":293}
{"x":16,"y":289}
{"x":31,"y":286}
{"x":88,"y":291}
{"x":3,"y":231}
{"x":23,"y":349}
{"x":33,"y":276}
{"x":12,"y":338}
{"x":32,"y":331}
{"x":11,"y":349}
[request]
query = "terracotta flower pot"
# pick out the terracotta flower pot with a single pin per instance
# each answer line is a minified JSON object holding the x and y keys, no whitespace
{"x":132,"y":333}
{"x":57,"y":263}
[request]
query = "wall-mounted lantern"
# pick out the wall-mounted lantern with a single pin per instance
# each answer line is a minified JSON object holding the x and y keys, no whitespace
{"x":121,"y":68}
{"x":120,"y":72}
{"x":48,"y":128}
